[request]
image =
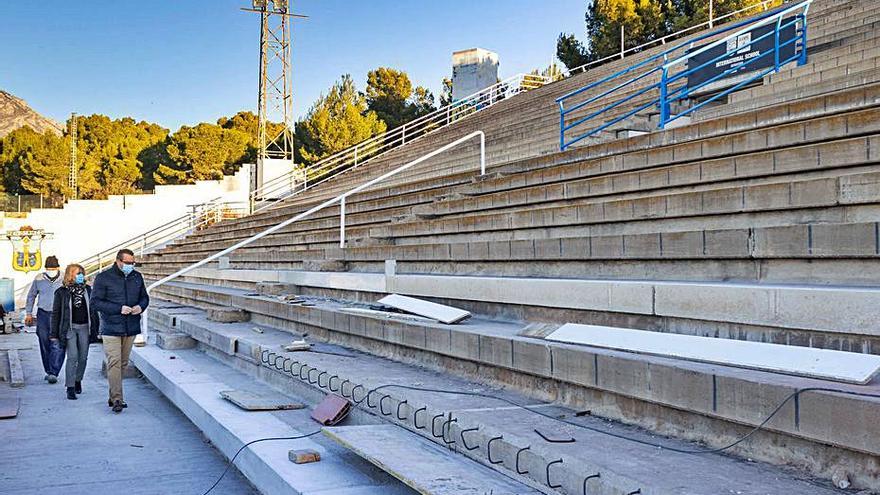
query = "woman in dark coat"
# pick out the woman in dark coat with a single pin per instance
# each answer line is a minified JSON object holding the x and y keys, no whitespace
{"x":73,"y":320}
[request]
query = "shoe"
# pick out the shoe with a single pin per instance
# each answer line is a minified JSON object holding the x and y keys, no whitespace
{"x":71,"y":394}
{"x":117,"y":407}
{"x":52,"y":379}
{"x":78,"y":387}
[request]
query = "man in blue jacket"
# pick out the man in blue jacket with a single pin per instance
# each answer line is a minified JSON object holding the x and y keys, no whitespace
{"x":120,"y":296}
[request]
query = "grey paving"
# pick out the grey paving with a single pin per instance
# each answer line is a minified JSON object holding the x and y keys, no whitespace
{"x":81,"y":447}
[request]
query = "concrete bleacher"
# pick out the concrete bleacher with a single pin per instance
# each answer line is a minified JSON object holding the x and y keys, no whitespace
{"x":758,"y":221}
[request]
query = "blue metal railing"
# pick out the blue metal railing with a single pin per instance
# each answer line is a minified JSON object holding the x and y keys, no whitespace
{"x":673,"y":71}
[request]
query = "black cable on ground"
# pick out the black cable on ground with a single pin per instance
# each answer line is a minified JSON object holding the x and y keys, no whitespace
{"x":269,"y":439}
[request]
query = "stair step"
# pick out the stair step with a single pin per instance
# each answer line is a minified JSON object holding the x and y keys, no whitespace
{"x":423,"y":465}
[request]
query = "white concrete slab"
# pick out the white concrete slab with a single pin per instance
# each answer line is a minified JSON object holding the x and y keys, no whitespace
{"x":423,"y":465}
{"x":826,"y":364}
{"x":439,"y":312}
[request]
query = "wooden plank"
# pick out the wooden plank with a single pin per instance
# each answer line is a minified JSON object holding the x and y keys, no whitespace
{"x":422,"y":465}
{"x":9,"y":408}
{"x":253,"y":402}
{"x":439,"y":312}
{"x":16,"y":373}
{"x":840,"y":366}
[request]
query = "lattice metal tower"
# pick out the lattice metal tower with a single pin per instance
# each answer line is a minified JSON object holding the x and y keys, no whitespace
{"x":74,"y":168}
{"x":275,"y":103}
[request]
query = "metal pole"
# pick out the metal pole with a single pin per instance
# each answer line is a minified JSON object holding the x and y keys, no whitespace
{"x":342,"y":222}
{"x":19,"y":202}
{"x":621,"y":40}
{"x":711,"y":12}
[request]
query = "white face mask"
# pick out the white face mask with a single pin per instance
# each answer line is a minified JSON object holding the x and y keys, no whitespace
{"x":52,"y":273}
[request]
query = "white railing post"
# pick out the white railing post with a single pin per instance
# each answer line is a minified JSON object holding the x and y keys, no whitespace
{"x":355,"y":155}
{"x":711,"y":2}
{"x":143,"y":244}
{"x":342,"y":222}
{"x":622,"y":49}
{"x":482,"y":153}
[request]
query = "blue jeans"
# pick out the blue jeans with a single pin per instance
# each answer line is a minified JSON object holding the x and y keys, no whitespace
{"x":51,"y":351}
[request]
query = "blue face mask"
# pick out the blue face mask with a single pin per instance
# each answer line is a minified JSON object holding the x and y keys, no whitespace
{"x":80,"y":278}
{"x":127,"y":268}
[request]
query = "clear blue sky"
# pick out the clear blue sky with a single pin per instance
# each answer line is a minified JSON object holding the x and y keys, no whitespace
{"x":186,"y":61}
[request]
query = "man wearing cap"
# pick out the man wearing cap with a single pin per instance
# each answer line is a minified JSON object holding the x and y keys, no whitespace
{"x":42,"y":292}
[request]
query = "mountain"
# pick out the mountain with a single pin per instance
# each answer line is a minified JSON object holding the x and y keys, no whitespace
{"x":15,"y":113}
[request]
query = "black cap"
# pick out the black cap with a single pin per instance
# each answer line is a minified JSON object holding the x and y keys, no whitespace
{"x":52,"y":262}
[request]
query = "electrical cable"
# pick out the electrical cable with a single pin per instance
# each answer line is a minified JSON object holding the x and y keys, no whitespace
{"x":627,"y":437}
{"x":268,"y":439}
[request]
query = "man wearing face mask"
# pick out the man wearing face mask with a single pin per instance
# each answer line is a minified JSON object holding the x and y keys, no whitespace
{"x":120,"y":296}
{"x":42,"y":295}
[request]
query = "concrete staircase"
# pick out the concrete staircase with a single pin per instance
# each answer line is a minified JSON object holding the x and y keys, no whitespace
{"x":758,"y":221}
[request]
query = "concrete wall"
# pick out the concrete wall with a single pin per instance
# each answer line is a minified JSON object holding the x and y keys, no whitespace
{"x":84,"y":227}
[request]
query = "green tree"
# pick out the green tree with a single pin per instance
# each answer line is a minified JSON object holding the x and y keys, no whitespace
{"x":336,"y":121}
{"x":686,"y":13}
{"x":642,"y":21}
{"x":391,"y":95}
{"x":570,"y":51}
{"x":112,"y":155}
{"x":44,"y":170}
{"x":446,"y":92}
{"x":203,"y":152}
{"x":34,"y":163}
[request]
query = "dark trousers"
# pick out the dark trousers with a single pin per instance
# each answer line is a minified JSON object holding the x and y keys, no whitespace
{"x":51,"y":352}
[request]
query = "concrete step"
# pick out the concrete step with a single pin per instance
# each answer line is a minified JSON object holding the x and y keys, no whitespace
{"x":421,"y":464}
{"x":501,"y":435}
{"x":193,"y":381}
{"x":659,"y":176}
{"x":573,"y":171}
{"x":815,"y":253}
{"x":802,"y":314}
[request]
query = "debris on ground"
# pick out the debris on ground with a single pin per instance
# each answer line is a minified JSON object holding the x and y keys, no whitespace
{"x":303,"y":456}
{"x":297,"y":345}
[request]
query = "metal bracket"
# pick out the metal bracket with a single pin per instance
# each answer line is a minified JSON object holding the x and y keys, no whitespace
{"x":446,"y":426}
{"x":352,"y":393}
{"x":382,"y":405}
{"x":551,"y":485}
{"x":309,"y":375}
{"x":416,"y":417}
{"x":434,"y":423}
{"x":368,"y":399}
{"x":588,"y":478}
{"x":318,"y":381}
{"x":330,"y":383}
{"x":463,"y":441}
{"x":301,"y":377}
{"x":518,"y":452}
{"x":489,"y":449}
{"x":399,"y":417}
{"x":342,"y":389}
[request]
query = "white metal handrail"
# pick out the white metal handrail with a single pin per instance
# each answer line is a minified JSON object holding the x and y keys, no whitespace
{"x":199,"y":216}
{"x":341,"y":199}
{"x":302,"y":179}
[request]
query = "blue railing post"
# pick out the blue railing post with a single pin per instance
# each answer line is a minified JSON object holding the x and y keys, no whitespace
{"x":664,"y":100}
{"x":803,"y":58}
{"x":561,"y":127}
{"x":776,"y":44}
